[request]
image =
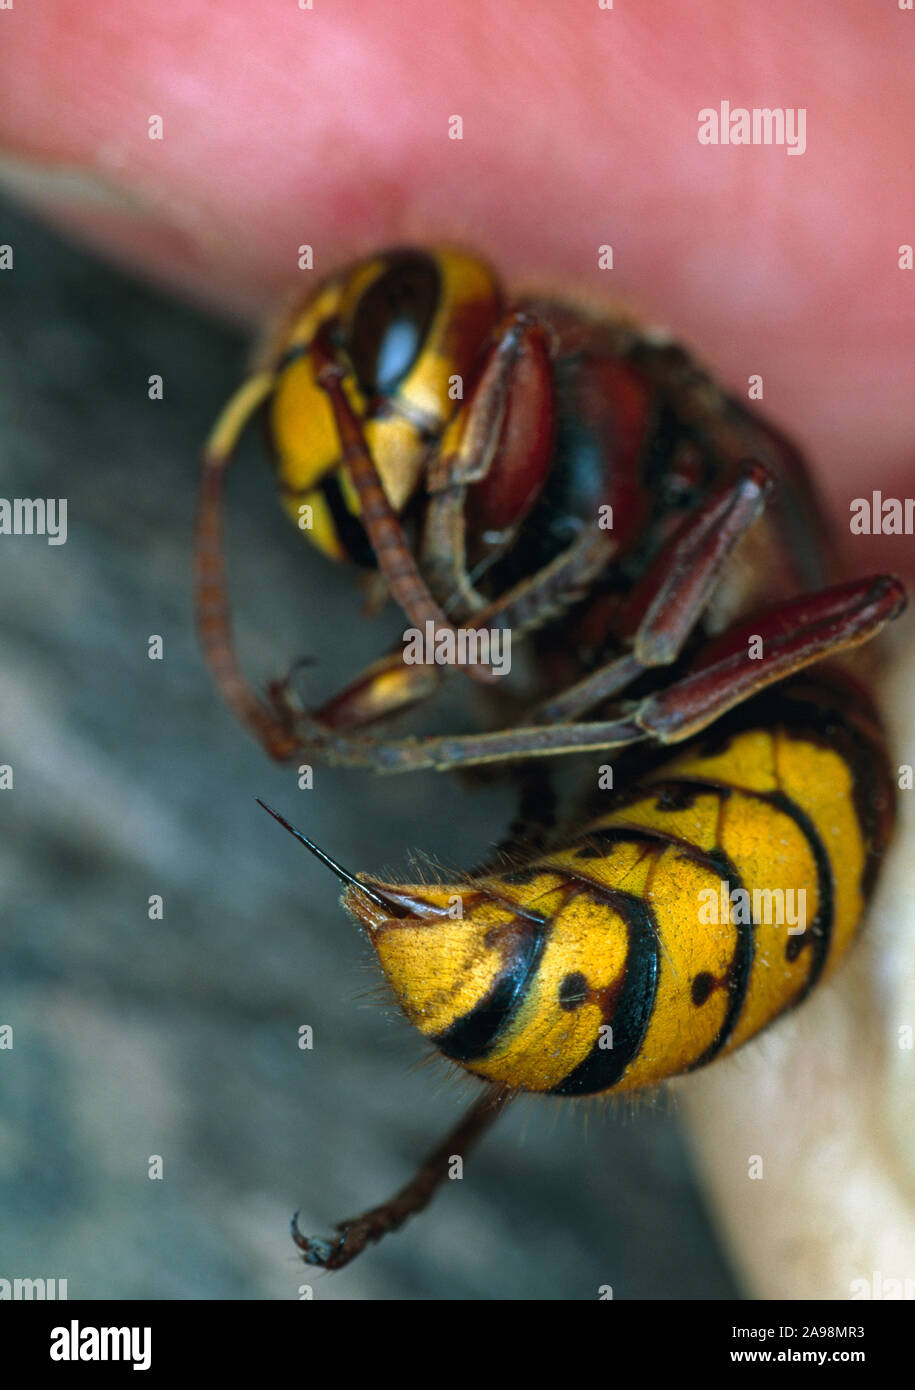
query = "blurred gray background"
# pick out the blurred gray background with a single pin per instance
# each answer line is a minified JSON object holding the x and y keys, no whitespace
{"x":179,"y":1037}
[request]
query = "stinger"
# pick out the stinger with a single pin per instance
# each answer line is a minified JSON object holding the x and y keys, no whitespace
{"x":332,"y":864}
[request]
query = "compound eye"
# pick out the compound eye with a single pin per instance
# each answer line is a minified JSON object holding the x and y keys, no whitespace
{"x":391,"y":323}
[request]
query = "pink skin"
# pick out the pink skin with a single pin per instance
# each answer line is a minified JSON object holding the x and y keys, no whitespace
{"x":330,"y":127}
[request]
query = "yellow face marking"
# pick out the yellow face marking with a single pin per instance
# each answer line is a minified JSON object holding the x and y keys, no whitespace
{"x":467,"y":286}
{"x":398,"y":452}
{"x":326,"y":304}
{"x":303,"y":426}
{"x":323,"y":531}
{"x":302,"y":421}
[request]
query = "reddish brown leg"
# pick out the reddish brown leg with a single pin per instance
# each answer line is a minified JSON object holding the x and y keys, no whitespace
{"x":506,"y":418}
{"x":558,"y":586}
{"x":794,"y":635}
{"x":671,"y":600}
{"x":517,"y":363}
{"x":384,"y":689}
{"x":388,"y":687}
{"x":361,"y":1231}
{"x":214,"y":624}
{"x":675,"y":593}
{"x":392,"y":550}
{"x":465,"y":750}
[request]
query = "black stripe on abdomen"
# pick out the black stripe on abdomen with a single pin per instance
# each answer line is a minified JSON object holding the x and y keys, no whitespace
{"x":603,"y":1067}
{"x":472,"y":1036}
{"x":714,"y":861}
{"x":821,"y":928}
{"x":819,"y":933}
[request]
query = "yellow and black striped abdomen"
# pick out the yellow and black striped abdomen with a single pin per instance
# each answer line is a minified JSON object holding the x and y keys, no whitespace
{"x":710,"y":898}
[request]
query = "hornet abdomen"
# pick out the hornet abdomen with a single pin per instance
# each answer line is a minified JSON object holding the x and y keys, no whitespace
{"x":672,"y":928}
